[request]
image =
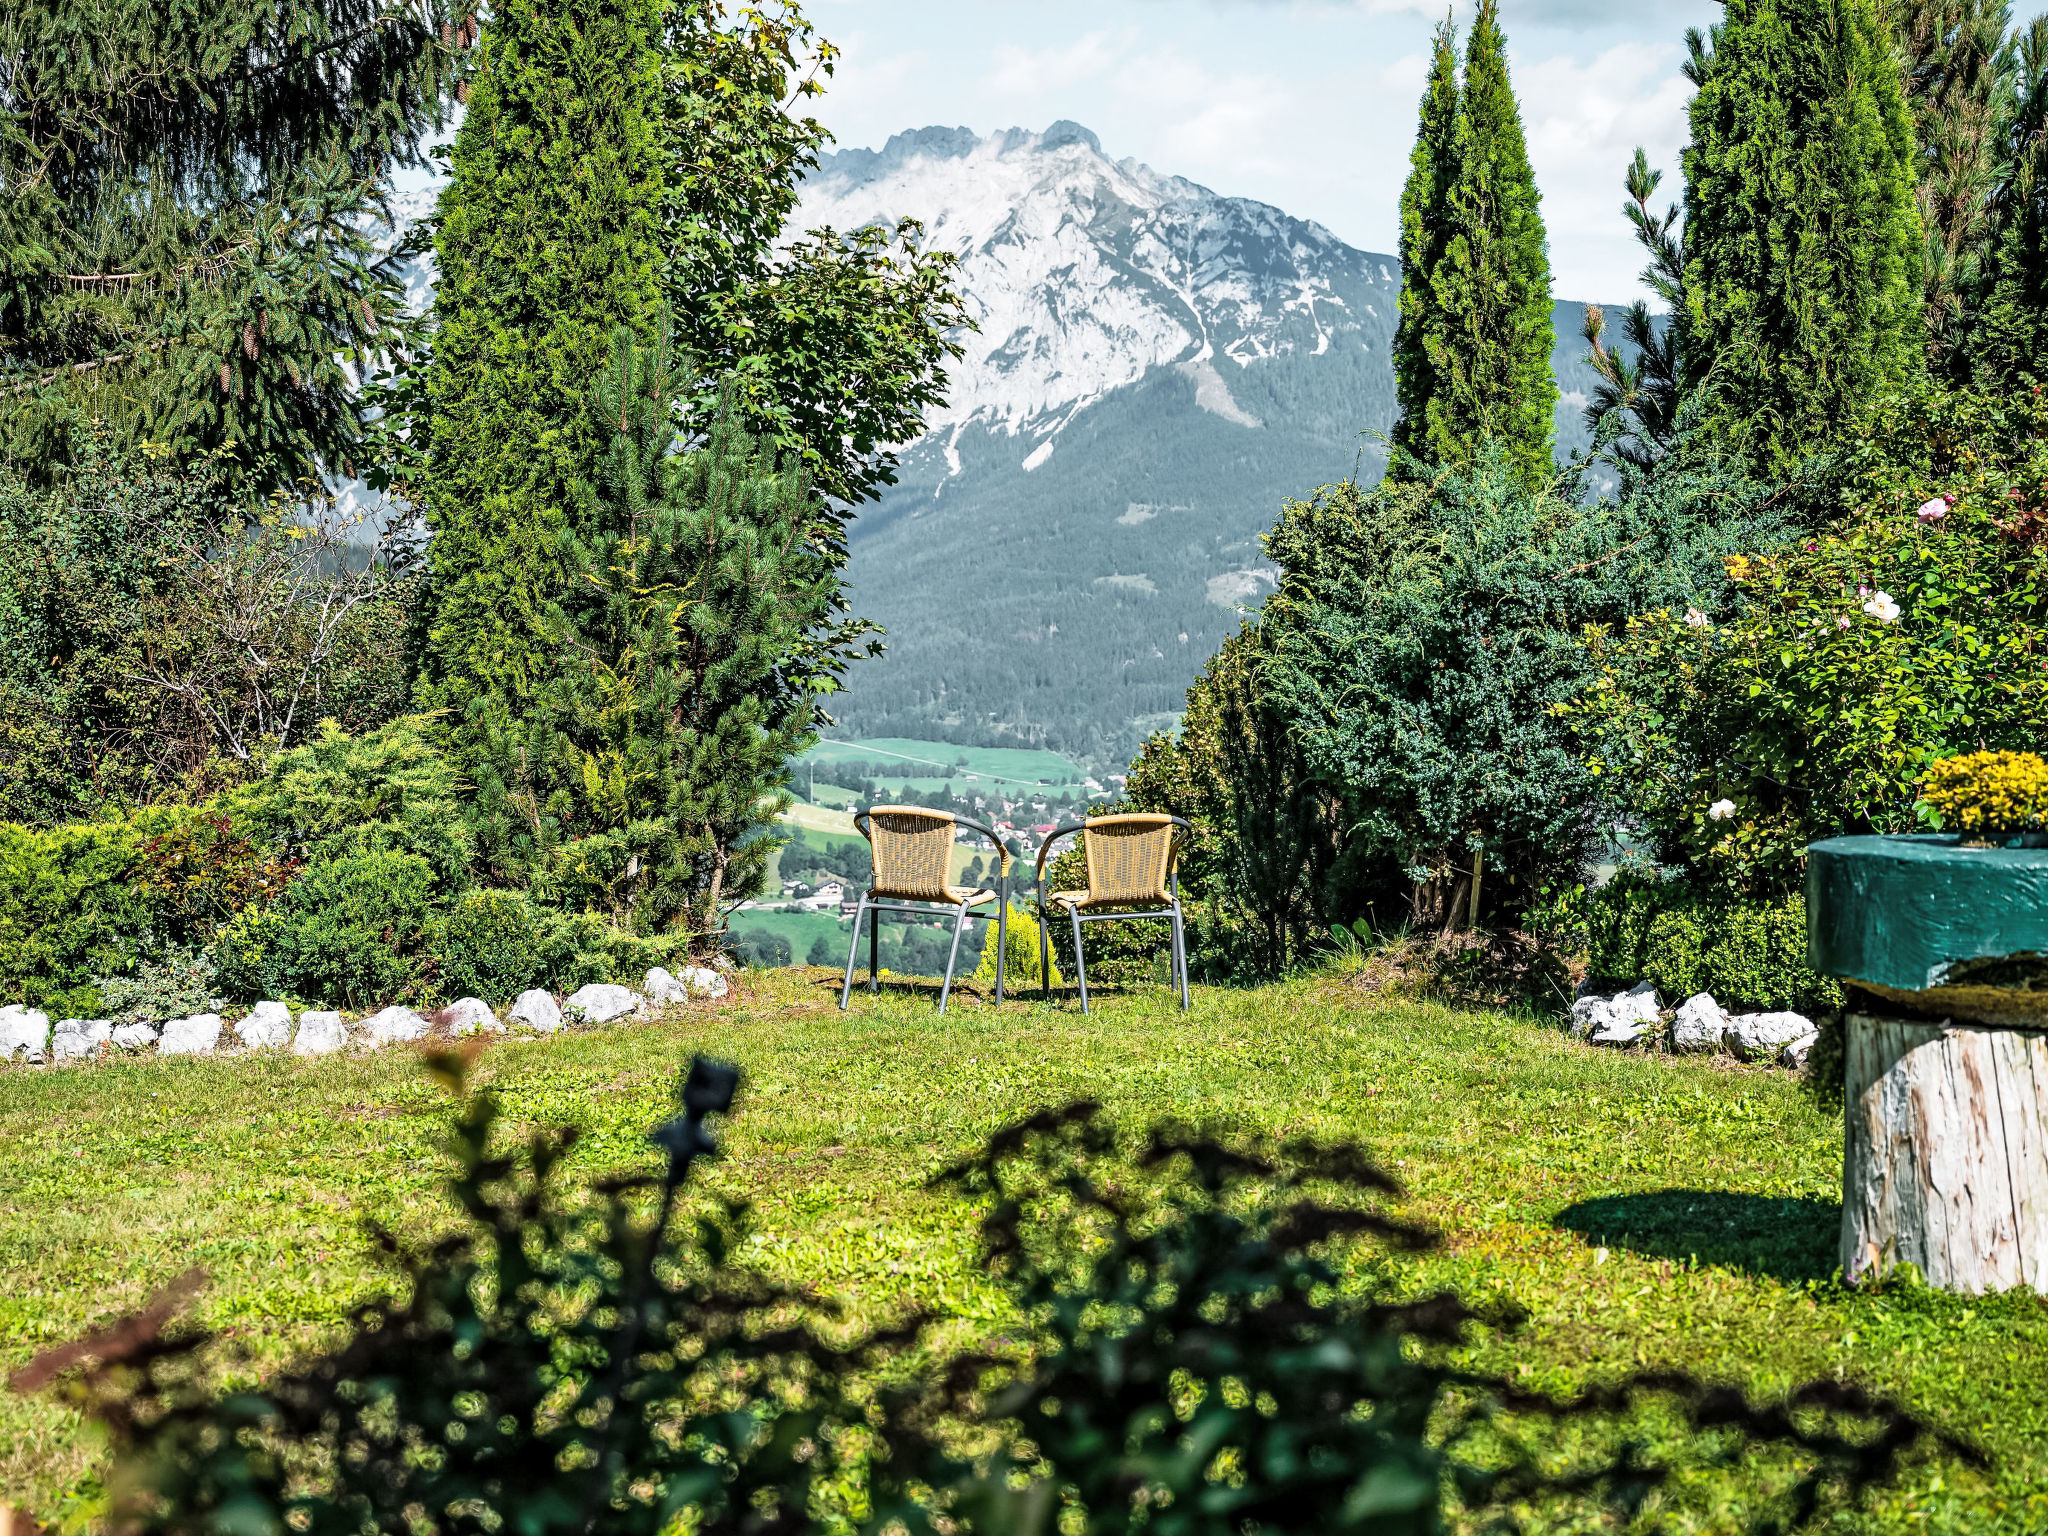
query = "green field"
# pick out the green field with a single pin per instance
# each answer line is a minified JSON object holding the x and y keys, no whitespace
{"x":1648,"y":1211}
{"x":1010,"y":768}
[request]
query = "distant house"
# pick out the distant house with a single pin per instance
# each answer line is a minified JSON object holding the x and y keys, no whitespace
{"x":830,"y":894}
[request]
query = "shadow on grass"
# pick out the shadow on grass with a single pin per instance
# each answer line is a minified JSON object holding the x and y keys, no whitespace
{"x":1784,"y":1238}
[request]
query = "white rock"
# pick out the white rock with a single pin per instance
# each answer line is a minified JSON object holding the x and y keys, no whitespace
{"x":696,"y":981}
{"x":394,"y":1024}
{"x":1760,"y":1036}
{"x":320,"y":1033}
{"x":1636,"y":1006}
{"x":1796,"y":1051}
{"x":600,"y":1003}
{"x":194,"y":1036}
{"x":1620,"y":1032}
{"x":1588,"y":1014}
{"x":76,"y":1038}
{"x":536,"y":1009}
{"x":1700,"y":1024}
{"x":468,"y":1016}
{"x":133,"y":1037}
{"x":701,"y":978}
{"x":268,"y":1024}
{"x":23,"y":1030}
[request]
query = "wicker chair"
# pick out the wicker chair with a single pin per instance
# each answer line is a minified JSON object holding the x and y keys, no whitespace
{"x":913,"y":855}
{"x":1132,"y":862}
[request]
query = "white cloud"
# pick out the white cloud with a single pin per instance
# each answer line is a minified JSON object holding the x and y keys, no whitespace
{"x":1021,"y":71}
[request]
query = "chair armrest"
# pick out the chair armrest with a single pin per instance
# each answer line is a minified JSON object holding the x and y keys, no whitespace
{"x":1045,"y":848}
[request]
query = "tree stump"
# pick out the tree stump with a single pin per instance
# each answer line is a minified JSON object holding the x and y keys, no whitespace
{"x":1945,"y":1161}
{"x":1945,"y":1149}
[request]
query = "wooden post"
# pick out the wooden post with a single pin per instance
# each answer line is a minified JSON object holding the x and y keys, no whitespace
{"x":1945,"y":1162}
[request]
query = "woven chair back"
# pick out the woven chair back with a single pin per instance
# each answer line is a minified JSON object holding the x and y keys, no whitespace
{"x":1129,"y":858}
{"x":913,"y":852}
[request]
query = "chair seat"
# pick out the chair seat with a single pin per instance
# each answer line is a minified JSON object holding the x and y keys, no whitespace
{"x":1080,"y":899}
{"x":957,"y":895}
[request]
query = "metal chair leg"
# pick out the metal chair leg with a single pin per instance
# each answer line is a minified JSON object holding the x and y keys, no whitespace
{"x":1044,"y":949}
{"x":1002,"y":940}
{"x":1080,"y":964}
{"x":1180,"y":956}
{"x":874,"y":951}
{"x":852,"y":949}
{"x":953,"y":956}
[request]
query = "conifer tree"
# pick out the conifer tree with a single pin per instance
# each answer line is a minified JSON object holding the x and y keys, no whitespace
{"x":1484,"y":326}
{"x":1803,"y":257}
{"x":548,"y":241}
{"x":1424,"y":232}
{"x":697,"y":589}
{"x":183,"y":198}
{"x":2008,"y":333}
{"x":1959,"y":86}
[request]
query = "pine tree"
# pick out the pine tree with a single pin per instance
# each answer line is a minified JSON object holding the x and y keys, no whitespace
{"x":696,"y":592}
{"x":183,"y":198}
{"x":2008,"y":333}
{"x":1959,"y":76}
{"x":1803,"y":260}
{"x":1643,"y":387}
{"x":1424,"y":233}
{"x":1485,"y":326}
{"x":548,"y":240}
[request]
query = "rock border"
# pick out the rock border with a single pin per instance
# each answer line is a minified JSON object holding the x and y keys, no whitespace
{"x":1633,"y":1017}
{"x":28,"y":1035}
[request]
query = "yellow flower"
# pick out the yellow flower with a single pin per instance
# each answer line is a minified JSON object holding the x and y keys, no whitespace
{"x":1988,"y":791}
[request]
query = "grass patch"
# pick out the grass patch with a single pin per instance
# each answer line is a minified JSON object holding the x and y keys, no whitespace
{"x":1648,"y":1211}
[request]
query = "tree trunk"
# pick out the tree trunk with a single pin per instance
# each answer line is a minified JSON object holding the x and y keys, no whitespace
{"x":1945,"y":1164}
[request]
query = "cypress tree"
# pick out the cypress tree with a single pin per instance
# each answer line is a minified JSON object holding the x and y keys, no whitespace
{"x":1485,"y":323}
{"x":1803,"y":257}
{"x":549,"y":240}
{"x":1424,"y":232}
{"x":184,"y":194}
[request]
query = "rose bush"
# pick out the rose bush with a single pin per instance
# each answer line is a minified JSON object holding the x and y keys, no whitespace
{"x":1834,"y":669}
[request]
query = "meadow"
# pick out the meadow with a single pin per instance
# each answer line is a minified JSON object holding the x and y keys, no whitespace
{"x":1648,"y":1211}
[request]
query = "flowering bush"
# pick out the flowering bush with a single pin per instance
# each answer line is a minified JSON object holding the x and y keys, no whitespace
{"x":1987,"y":792}
{"x":1836,"y":668}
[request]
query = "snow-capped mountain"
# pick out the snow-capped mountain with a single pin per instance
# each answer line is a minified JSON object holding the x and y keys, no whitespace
{"x":1157,"y":369}
{"x":1085,"y":274}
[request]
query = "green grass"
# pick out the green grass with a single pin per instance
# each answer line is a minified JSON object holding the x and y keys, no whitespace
{"x":1647,"y":1211}
{"x":802,"y":929}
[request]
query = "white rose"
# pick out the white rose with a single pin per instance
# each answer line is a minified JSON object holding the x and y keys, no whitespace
{"x":1721,"y":810}
{"x":1695,"y":618}
{"x":1882,"y":608}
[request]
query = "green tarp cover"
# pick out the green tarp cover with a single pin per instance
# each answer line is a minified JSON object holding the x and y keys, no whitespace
{"x":1899,"y":911}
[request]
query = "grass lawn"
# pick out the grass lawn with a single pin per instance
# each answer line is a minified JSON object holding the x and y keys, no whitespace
{"x":1647,"y":1211}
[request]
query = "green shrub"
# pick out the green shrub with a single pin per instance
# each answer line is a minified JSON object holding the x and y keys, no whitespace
{"x":74,"y":904}
{"x":577,"y":948}
{"x":394,"y":789}
{"x":488,"y":945}
{"x":351,"y":931}
{"x":1748,"y":954}
{"x":1020,"y":953}
{"x":181,"y":983}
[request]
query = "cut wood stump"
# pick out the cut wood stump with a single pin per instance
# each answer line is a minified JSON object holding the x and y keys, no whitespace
{"x":1945,"y":1054}
{"x":1945,"y":1165}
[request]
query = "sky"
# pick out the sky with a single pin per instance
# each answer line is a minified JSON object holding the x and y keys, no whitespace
{"x":1305,"y":104}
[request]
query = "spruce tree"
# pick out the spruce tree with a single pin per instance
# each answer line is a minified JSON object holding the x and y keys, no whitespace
{"x":696,"y":591}
{"x":548,"y":241}
{"x":184,"y":192}
{"x":1485,"y":325}
{"x":1803,"y":258}
{"x":1424,"y":232}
